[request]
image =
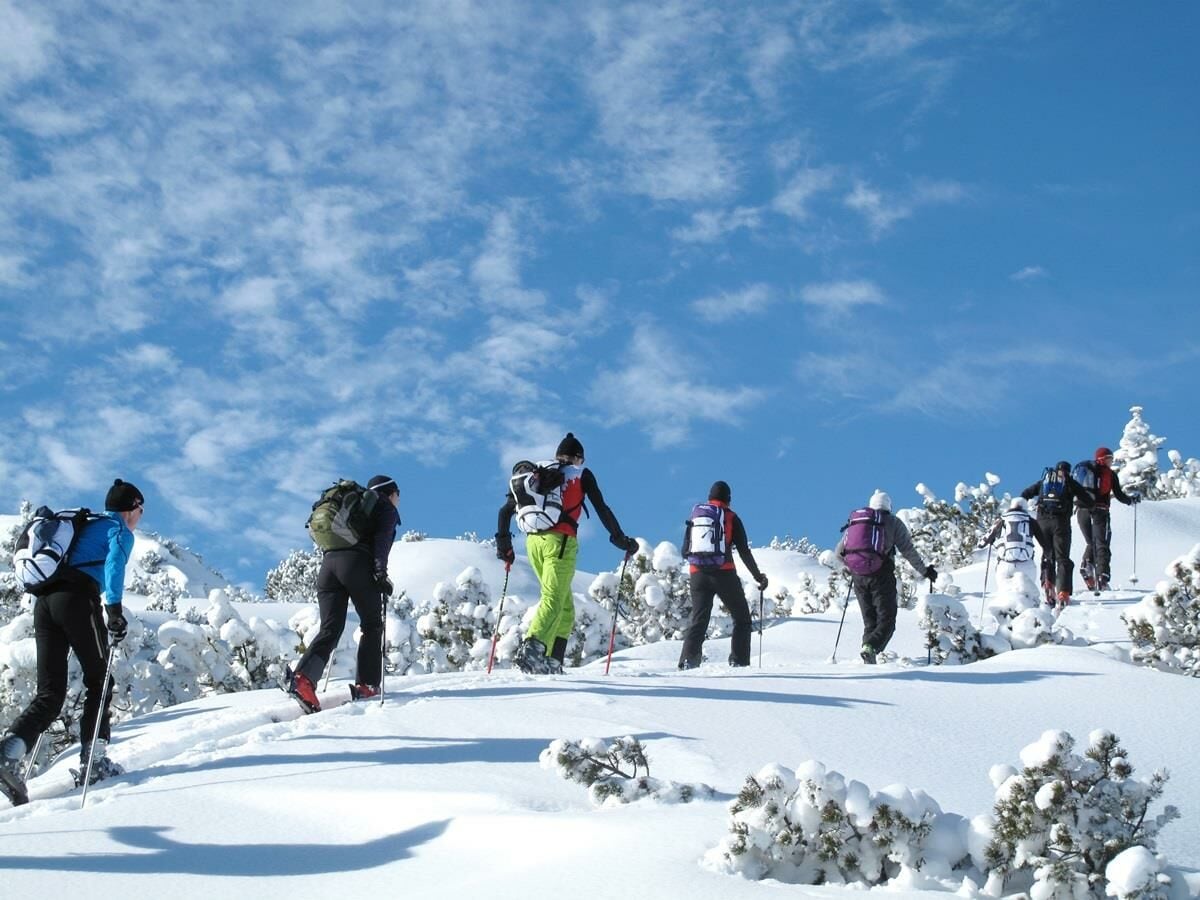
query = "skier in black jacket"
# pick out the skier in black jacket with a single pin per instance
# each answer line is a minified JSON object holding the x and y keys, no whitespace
{"x":357,"y":575}
{"x":1054,"y":492}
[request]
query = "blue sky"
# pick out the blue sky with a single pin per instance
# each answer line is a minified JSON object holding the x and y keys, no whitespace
{"x":810,"y":248}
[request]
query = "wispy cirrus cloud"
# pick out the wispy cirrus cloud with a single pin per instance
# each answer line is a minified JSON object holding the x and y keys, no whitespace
{"x":838,"y":297}
{"x":725,"y":306}
{"x":882,"y":211}
{"x":1029,"y":273}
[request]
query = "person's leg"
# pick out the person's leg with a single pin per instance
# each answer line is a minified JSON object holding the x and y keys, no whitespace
{"x":1102,"y":535}
{"x":1087,"y":565}
{"x":703,"y":589}
{"x":83,"y":624}
{"x":333,"y":601}
{"x":1062,"y":555}
{"x":886,"y":606}
{"x":733,"y":596}
{"x":368,"y":603}
{"x":866,"y":605}
{"x":52,"y":650}
{"x":553,"y":557}
{"x":564,"y":576}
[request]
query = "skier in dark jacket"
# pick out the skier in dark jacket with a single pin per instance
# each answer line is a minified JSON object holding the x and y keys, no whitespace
{"x":66,"y":617}
{"x":876,"y":594}
{"x":1095,"y":524}
{"x":1054,"y":493}
{"x":716,"y":575}
{"x":357,"y":575}
{"x":552,"y":553}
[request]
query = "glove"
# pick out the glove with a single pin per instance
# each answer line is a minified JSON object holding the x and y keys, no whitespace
{"x":117,"y":626}
{"x":761,"y":580}
{"x":981,"y":543}
{"x":504,"y":548}
{"x":384,"y":584}
{"x":621,"y":542}
{"x":1135,"y":499}
{"x":931,"y":573}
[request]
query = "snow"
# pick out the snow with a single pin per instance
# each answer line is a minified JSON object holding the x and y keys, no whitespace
{"x":439,"y":789}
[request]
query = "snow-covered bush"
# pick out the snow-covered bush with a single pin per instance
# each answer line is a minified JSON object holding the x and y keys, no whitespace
{"x":1165,"y":625}
{"x":460,"y":617}
{"x":946,"y":534}
{"x":661,"y":600}
{"x":609,"y":770}
{"x":1182,"y":479}
{"x":1062,"y":819}
{"x":811,"y":826}
{"x":949,"y":635}
{"x":1136,"y":457}
{"x":294,"y":580}
{"x":12,"y":594}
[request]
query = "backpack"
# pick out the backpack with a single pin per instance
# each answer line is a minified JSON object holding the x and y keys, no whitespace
{"x":341,"y":517}
{"x":1017,"y":543}
{"x":863,"y":542}
{"x":1052,"y":492}
{"x":1087,"y":476}
{"x":537,"y":489}
{"x":706,"y":538}
{"x":44,"y":545}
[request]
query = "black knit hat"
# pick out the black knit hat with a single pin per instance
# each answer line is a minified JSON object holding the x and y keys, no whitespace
{"x":569,"y":446}
{"x":720,"y":491}
{"x":384,"y":485}
{"x":123,"y":497}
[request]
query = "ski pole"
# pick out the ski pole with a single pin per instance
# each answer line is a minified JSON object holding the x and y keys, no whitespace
{"x":1133,"y":579}
{"x":760,"y":626}
{"x":929,"y":649}
{"x":383,"y":648}
{"x":612,"y":637}
{"x":328,"y":669}
{"x":87,"y":775}
{"x":499,"y":614}
{"x":987,"y":566}
{"x":37,"y":748}
{"x":845,"y":606}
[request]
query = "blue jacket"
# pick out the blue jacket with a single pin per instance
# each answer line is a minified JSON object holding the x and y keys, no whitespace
{"x":101,"y":552}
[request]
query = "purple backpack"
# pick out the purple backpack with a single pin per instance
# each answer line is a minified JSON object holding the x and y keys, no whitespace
{"x":706,"y":542}
{"x":864,"y":541}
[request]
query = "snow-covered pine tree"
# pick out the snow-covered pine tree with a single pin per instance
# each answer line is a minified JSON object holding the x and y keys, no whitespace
{"x":12,"y":594}
{"x":661,"y":601}
{"x":1136,"y":458}
{"x":458,"y":618}
{"x":294,"y":580}
{"x":947,"y":534}
{"x":610,"y":771}
{"x":1165,"y":625}
{"x":1182,"y":479}
{"x":1060,"y":820}
{"x":949,"y":634}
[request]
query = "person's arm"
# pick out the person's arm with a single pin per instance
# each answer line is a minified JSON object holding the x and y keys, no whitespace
{"x":617,"y":537}
{"x":743,"y":549}
{"x":1033,"y":490}
{"x":1118,"y":492}
{"x":1080,"y":493}
{"x":120,"y":546}
{"x":1038,"y":535}
{"x":386,"y":521}
{"x":504,"y":545}
{"x":902,"y":541}
{"x":990,"y":537}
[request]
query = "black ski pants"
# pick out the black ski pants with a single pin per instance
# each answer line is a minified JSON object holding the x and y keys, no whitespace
{"x":1095,"y":525}
{"x":877,"y":600}
{"x":347,"y":576}
{"x":65,"y":621}
{"x":704,"y":586}
{"x":1056,"y":565}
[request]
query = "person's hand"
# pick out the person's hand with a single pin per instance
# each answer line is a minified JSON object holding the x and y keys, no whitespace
{"x":504,"y":548}
{"x":761,"y":580}
{"x":621,"y":542}
{"x":981,"y":543}
{"x":384,"y":584}
{"x":1135,"y":499}
{"x":117,"y":626}
{"x":931,"y":573}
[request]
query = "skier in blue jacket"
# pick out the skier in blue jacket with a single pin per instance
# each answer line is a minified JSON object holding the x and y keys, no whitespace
{"x":67,"y":617}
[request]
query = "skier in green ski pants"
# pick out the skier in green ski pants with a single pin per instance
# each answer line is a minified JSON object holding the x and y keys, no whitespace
{"x":550,"y":518}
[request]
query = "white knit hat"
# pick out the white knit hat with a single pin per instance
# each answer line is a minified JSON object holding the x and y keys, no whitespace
{"x":1019,"y":503}
{"x":880,"y":500}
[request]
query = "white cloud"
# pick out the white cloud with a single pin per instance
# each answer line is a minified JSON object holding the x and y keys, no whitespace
{"x":25,"y":44}
{"x":707,"y":226}
{"x":882,"y":211}
{"x":665,"y":391}
{"x":77,"y":470}
{"x":750,"y":300}
{"x":497,"y":269}
{"x":1029,"y":273}
{"x":793,"y":200}
{"x":842,"y":296}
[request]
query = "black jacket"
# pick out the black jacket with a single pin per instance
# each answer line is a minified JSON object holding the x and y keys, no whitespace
{"x":1073,"y":491}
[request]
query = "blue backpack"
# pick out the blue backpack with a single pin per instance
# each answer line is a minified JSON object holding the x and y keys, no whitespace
{"x":1085,"y":473}
{"x":1053,"y":491}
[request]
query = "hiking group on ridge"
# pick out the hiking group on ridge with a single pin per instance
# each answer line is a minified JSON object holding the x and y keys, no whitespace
{"x":74,"y":563}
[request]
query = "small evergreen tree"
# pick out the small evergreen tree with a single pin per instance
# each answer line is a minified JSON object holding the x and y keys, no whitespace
{"x":1136,"y":458}
{"x":610,"y":771}
{"x":294,"y":580}
{"x":1165,"y":625}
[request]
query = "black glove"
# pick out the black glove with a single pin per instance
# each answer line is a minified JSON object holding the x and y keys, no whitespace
{"x":1135,"y":499}
{"x":981,"y":543}
{"x":117,"y":626}
{"x":504,"y":548}
{"x":931,"y":573}
{"x":761,"y":580}
{"x":384,"y":584}
{"x":628,"y":544}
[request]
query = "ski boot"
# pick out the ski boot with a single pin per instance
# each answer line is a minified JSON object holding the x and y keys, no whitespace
{"x":12,"y":785}
{"x":102,"y":766}
{"x":301,"y":689}
{"x":1064,"y":599}
{"x":363,"y":691}
{"x":531,"y":658}
{"x":1089,"y":578}
{"x":868,"y":654}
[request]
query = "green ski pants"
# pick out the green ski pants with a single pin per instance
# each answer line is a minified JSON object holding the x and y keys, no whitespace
{"x":552,"y":555}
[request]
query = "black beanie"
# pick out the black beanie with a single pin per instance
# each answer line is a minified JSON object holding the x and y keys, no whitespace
{"x":720,"y":491}
{"x":385,"y":485}
{"x":123,"y":497}
{"x":569,"y":446}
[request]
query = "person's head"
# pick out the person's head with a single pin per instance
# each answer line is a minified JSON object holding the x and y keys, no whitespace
{"x":880,"y":500}
{"x":1019,"y":503}
{"x":1063,"y":467}
{"x":720,"y":491}
{"x":126,"y":501}
{"x":385,"y":487}
{"x":570,"y":450}
{"x":1104,"y":456}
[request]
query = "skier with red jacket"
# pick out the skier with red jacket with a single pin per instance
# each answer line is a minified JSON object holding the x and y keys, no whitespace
{"x":1095,"y":522}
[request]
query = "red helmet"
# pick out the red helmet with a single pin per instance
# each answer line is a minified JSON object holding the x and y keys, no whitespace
{"x":1103,"y":453}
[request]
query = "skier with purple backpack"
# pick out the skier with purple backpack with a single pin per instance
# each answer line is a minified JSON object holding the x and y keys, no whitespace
{"x":713,"y":531}
{"x":868,"y":547}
